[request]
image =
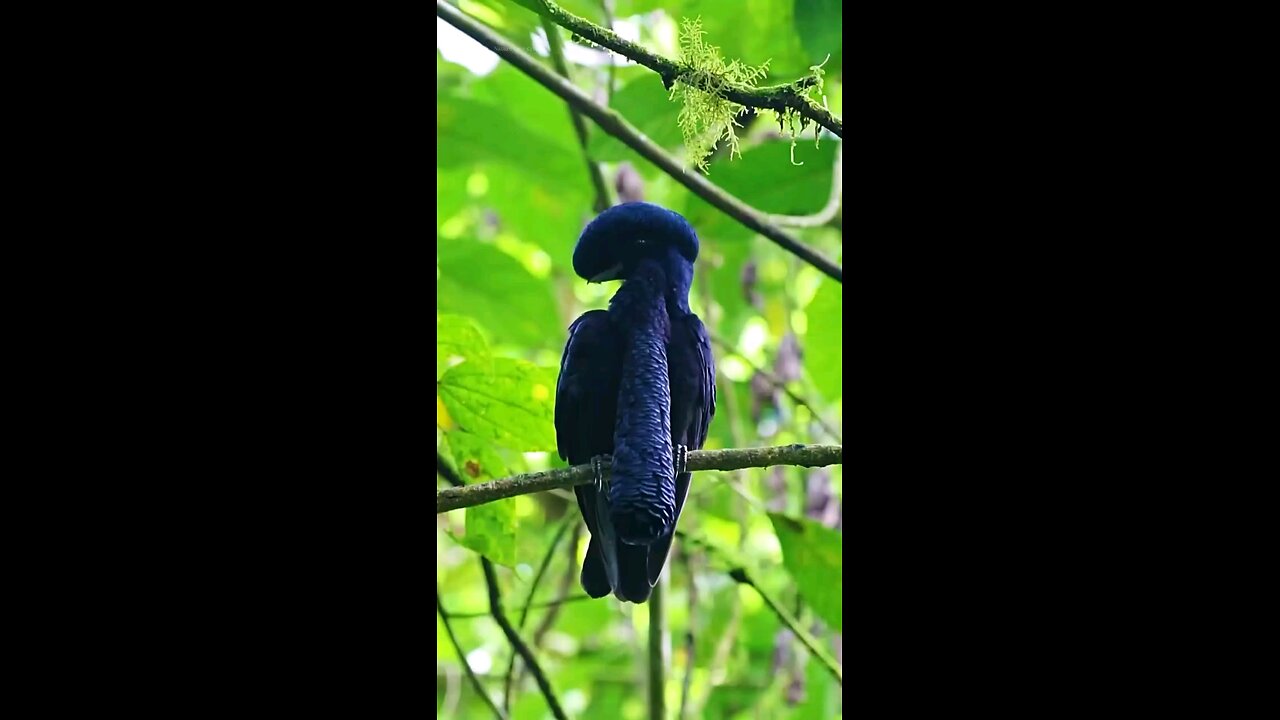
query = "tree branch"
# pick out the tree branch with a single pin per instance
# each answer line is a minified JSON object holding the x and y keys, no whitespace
{"x":617,"y":126}
{"x":462,"y":656}
{"x":534,"y":606}
{"x":740,"y":576}
{"x":530,"y":662}
{"x":777,"y":98}
{"x":732,"y":459}
{"x":690,"y":647}
{"x":657,"y":654}
{"x":556,"y":46}
{"x":779,"y":384}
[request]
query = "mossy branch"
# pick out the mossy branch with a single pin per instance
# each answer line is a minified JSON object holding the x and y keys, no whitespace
{"x":778,"y":98}
{"x":733,"y":459}
{"x":617,"y":126}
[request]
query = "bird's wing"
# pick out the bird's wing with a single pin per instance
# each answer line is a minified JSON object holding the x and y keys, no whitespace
{"x":586,"y":409}
{"x":692,"y":372}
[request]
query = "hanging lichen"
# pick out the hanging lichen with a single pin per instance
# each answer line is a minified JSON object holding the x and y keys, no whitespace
{"x":706,"y":118}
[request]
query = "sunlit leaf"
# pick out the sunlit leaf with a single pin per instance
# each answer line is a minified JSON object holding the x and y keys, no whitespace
{"x":812,"y":554}
{"x":509,"y":404}
{"x":491,"y":527}
{"x":818,"y":22}
{"x":824,"y":343}
{"x":765,"y":178}
{"x":643,"y":102}
{"x":482,"y":282}
{"x":458,"y":338}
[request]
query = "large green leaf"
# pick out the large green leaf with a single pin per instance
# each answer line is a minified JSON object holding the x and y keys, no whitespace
{"x":765,"y":178}
{"x":491,"y":527}
{"x":645,"y":104}
{"x":824,"y":342}
{"x":509,"y":404}
{"x":812,"y":554}
{"x":470,"y":131}
{"x":819,"y":24}
{"x":458,"y":337}
{"x":484,"y":283}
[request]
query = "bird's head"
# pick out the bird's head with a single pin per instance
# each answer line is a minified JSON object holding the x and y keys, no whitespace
{"x":619,"y":238}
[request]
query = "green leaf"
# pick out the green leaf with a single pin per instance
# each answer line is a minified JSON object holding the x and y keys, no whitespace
{"x":812,"y":554}
{"x":490,"y":528}
{"x":470,"y":131}
{"x":482,"y":282}
{"x":765,"y":178}
{"x":819,"y":24}
{"x":824,"y":341}
{"x":645,"y":104}
{"x":509,"y":404}
{"x":458,"y":337}
{"x":754,"y":31}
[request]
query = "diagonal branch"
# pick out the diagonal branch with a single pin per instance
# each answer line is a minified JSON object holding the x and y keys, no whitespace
{"x":528,"y":601}
{"x":614,"y":124}
{"x":556,"y":47}
{"x":448,"y":628}
{"x":733,"y":459}
{"x":779,"y":384}
{"x":740,"y":576}
{"x":530,"y":662}
{"x":777,"y":98}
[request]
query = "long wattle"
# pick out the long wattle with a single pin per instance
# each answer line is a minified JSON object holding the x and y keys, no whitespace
{"x":642,"y":489}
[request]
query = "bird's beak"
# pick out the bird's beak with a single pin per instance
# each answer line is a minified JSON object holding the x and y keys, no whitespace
{"x":609,"y":274}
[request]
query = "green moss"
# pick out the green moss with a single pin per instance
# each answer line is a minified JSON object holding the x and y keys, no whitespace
{"x":706,"y":117}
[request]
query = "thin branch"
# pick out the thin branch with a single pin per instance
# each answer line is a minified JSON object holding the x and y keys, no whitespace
{"x":530,"y":662}
{"x":607,"y":7}
{"x":740,"y":575}
{"x":614,"y":124}
{"x":657,"y":651}
{"x":690,"y":647}
{"x":528,"y":601}
{"x":733,"y":459}
{"x":779,"y":384}
{"x":448,"y":628}
{"x":535,"y":606}
{"x":556,"y":46}
{"x":566,"y":581}
{"x":777,"y":98}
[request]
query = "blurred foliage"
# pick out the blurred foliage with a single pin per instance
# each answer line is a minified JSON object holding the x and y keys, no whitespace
{"x":512,"y":195}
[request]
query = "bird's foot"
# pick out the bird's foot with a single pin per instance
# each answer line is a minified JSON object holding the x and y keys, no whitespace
{"x":681,"y":458}
{"x":597,"y":466}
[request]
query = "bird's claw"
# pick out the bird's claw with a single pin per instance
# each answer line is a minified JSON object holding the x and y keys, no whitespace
{"x":681,"y":458}
{"x":597,"y":466}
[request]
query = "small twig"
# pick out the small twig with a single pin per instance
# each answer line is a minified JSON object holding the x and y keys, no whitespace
{"x":614,"y":124}
{"x":566,"y":581}
{"x":740,"y":576}
{"x":689,"y":646}
{"x":556,"y":46}
{"x":448,"y":628}
{"x":733,"y":459}
{"x":524,"y":613}
{"x":535,"y":606}
{"x":779,"y":384}
{"x":530,"y":662}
